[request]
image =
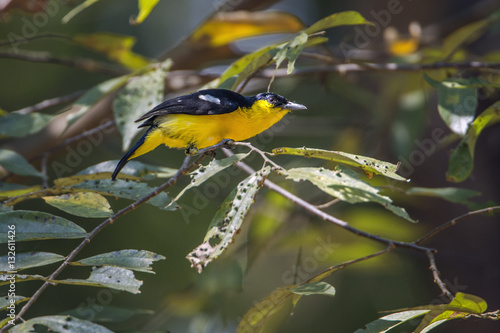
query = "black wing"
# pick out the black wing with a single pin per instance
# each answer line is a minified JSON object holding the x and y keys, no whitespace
{"x":203,"y":102}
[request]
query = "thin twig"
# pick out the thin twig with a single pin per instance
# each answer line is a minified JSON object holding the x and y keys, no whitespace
{"x":50,"y":102}
{"x":328,"y":204}
{"x":436,"y":275}
{"x":88,"y":65}
{"x":185,"y":168}
{"x":350,"y":262}
{"x":454,"y":221}
{"x":38,"y":36}
{"x":261,"y":153}
{"x":385,"y":67}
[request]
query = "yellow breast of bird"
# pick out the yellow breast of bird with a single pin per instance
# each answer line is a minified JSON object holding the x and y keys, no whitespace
{"x":182,"y":130}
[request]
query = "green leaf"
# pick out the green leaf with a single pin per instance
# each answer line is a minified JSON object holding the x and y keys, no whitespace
{"x":28,"y":260}
{"x":462,"y":157}
{"x":127,"y":190}
{"x":257,"y":63}
{"x":457,"y":102}
{"x":6,"y":278}
{"x":227,"y":221}
{"x":291,"y":51}
{"x":132,"y":168}
{"x":241,"y":64}
{"x":345,"y":185}
{"x":460,"y":307}
{"x":59,"y":324}
{"x":145,"y":8}
{"x":106,"y":313}
{"x":19,"y":125}
{"x":452,"y":194}
{"x":85,"y":204}
{"x":16,"y":191}
{"x":140,"y":95}
{"x":130,"y":259}
{"x":94,"y":95}
{"x":5,"y":301}
{"x":203,"y":173}
{"x":32,"y":225}
{"x":337,"y":19}
{"x":17,"y":164}
{"x":109,"y":277}
{"x":368,"y":164}
{"x":388,"y":322}
{"x":72,"y":13}
{"x":464,"y":35}
{"x":262,"y":316}
{"x":314,"y":288}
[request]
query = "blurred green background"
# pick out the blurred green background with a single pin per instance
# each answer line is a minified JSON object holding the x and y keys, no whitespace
{"x":377,"y":114}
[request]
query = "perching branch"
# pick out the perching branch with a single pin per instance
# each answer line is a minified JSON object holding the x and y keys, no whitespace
{"x":185,"y":168}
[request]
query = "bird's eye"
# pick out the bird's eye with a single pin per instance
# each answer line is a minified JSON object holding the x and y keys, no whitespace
{"x":271,"y":99}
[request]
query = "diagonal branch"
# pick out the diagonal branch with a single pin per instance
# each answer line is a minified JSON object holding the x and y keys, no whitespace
{"x":185,"y":168}
{"x":454,"y":221}
{"x":80,"y":63}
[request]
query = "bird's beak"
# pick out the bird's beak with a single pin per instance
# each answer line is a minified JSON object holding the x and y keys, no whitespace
{"x":294,"y":106}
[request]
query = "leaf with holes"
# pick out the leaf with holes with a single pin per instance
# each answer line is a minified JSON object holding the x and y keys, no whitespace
{"x":32,"y":225}
{"x":9,"y":278}
{"x":204,"y":173}
{"x":140,"y":95}
{"x":367,"y":164}
{"x":345,"y":185}
{"x":130,"y":259}
{"x":227,"y":221}
{"x":5,"y":301}
{"x":29,"y":259}
{"x":109,"y":277}
{"x":59,"y":324}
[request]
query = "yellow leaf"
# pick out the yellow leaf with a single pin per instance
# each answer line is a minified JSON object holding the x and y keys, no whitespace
{"x":145,"y":8}
{"x":15,"y":193}
{"x":225,"y":28}
{"x":116,"y":47}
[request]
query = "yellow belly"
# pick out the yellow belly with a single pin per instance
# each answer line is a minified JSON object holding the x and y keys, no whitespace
{"x":181,"y":131}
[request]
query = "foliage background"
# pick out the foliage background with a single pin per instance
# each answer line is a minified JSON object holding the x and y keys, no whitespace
{"x":359,"y":113}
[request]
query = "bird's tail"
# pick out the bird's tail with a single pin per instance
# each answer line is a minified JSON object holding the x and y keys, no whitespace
{"x":138,"y":149}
